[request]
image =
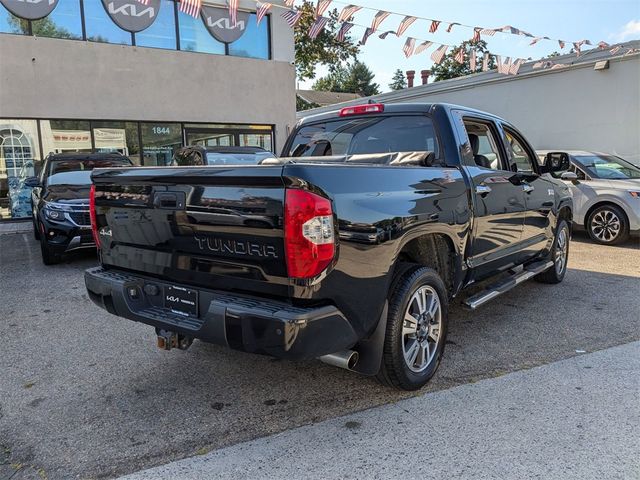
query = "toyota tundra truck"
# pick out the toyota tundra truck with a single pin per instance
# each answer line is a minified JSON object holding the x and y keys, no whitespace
{"x":348,"y":248}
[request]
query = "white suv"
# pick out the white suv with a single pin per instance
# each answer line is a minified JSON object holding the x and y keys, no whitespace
{"x":606,"y":194}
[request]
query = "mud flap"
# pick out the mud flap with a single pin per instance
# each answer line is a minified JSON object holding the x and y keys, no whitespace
{"x":370,"y":349}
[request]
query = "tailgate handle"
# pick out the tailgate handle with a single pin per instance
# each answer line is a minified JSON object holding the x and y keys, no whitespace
{"x":169,"y":200}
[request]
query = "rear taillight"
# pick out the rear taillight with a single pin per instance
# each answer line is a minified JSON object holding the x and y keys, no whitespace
{"x":309,"y":236}
{"x":92,"y":215}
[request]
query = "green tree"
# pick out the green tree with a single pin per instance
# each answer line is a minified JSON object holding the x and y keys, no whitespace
{"x":356,"y":78}
{"x":398,"y":81}
{"x":325,"y":49}
{"x":450,"y":68}
{"x":44,"y":27}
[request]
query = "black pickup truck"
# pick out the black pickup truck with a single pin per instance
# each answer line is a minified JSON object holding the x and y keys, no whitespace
{"x":347,"y":249}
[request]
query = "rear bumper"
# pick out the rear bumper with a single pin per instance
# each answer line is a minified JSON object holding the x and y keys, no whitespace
{"x":248,"y":323}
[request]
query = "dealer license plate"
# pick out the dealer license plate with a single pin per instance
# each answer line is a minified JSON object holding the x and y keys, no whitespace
{"x":181,"y":300}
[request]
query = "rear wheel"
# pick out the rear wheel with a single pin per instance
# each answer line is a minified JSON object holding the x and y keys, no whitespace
{"x":36,"y":232}
{"x":608,"y":225}
{"x":559,"y":255}
{"x":416,"y":329}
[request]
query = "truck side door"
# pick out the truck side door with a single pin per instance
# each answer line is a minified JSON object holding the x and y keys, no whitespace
{"x":539,"y":193}
{"x":499,"y":205}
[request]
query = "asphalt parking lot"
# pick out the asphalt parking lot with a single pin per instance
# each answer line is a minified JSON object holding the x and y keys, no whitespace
{"x":84,"y":394}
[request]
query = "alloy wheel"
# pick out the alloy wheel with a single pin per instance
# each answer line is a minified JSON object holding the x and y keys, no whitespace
{"x":606,"y":225}
{"x":562,"y":251}
{"x":421,"y":329}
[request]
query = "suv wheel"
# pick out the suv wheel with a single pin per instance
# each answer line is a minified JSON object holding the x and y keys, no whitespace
{"x":608,"y":225}
{"x":48,"y":257}
{"x":416,"y":329}
{"x":559,"y":255}
{"x":36,"y":232}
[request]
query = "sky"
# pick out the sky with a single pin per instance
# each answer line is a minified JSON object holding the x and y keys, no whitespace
{"x":570,"y":20}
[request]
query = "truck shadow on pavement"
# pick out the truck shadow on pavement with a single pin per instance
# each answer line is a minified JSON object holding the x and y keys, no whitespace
{"x":89,"y":395}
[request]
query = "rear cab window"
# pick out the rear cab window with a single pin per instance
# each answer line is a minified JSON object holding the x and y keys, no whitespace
{"x":365,"y":136}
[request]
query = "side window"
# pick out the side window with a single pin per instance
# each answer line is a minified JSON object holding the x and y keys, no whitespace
{"x":519,"y":159}
{"x":483,"y":144}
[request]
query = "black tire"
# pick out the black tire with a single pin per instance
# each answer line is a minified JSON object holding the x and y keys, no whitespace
{"x":36,"y":231}
{"x":559,"y":254}
{"x":395,"y":371}
{"x":608,"y":225}
{"x":48,"y":257}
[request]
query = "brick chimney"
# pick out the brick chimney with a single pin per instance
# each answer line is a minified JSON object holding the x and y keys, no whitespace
{"x":411,"y":74}
{"x":425,"y":76}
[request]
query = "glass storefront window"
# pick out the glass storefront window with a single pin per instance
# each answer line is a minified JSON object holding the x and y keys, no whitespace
{"x":254,"y":42}
{"x":262,"y":140}
{"x":19,"y":157}
{"x":64,"y":22}
{"x":162,"y":32}
{"x":9,"y":23}
{"x":121,"y":137}
{"x":100,"y":28}
{"x":159,"y":142}
{"x":60,"y":136}
{"x":194,"y":36}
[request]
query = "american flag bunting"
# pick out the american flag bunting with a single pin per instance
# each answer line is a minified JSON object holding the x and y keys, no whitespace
{"x":489,"y":32}
{"x":367,"y":33}
{"x":538,"y":65}
{"x":317,"y":27}
{"x":451,"y":25}
{"x":191,"y":7}
{"x":404,"y":24}
{"x":535,"y":40}
{"x":378,"y":19}
{"x":472,"y":60}
{"x":383,"y":36}
{"x":322,"y":7}
{"x":615,"y":50}
{"x":233,"y":11}
{"x":459,"y":55}
{"x":344,"y":29}
{"x":439,"y":53}
{"x":422,"y":47}
{"x":289,"y":3}
{"x":476,"y":34}
{"x":603,"y":45}
{"x":515,"y":66}
{"x":409,"y":47}
{"x":561,"y":43}
{"x":485,"y":62}
{"x":434,"y":26}
{"x":292,"y":17}
{"x":348,"y":12}
{"x":144,"y":2}
{"x":261,"y":10}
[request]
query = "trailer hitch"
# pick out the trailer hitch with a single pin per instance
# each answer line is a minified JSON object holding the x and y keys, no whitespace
{"x":168,"y":340}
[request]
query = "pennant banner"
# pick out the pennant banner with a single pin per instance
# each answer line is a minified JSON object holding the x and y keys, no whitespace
{"x":476,"y":34}
{"x":451,"y":25}
{"x":317,"y":27}
{"x":191,"y":7}
{"x":233,"y":12}
{"x":439,"y":53}
{"x":459,"y":56}
{"x":422,"y":47}
{"x":383,"y":36}
{"x":485,"y":62}
{"x":261,"y":10}
{"x":406,"y":23}
{"x":347,"y":12}
{"x":367,"y":33}
{"x":434,"y":26}
{"x":292,"y":17}
{"x":289,"y":3}
{"x":409,"y":47}
{"x":378,"y":19}
{"x":472,"y":60}
{"x":322,"y":7}
{"x":342,"y":33}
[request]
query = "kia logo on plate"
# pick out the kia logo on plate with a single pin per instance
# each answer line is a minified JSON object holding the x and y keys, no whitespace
{"x":30,"y":9}
{"x":131,"y":15}
{"x":219,"y":24}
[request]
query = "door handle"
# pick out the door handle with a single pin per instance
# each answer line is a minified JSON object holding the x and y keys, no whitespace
{"x":483,"y":189}
{"x":528,"y":188}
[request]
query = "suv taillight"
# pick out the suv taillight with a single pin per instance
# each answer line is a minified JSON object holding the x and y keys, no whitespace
{"x":309,"y":236}
{"x":92,"y":215}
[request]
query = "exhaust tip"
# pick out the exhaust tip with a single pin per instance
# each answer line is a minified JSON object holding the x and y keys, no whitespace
{"x":346,"y":359}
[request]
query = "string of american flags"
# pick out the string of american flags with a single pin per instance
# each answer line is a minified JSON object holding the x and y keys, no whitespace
{"x":412,"y":45}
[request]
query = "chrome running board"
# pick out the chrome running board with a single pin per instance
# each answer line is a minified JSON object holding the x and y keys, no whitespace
{"x":498,"y":288}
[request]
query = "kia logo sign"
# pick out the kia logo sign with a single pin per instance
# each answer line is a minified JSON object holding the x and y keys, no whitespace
{"x":30,"y":9}
{"x":131,"y":15}
{"x":219,"y":24}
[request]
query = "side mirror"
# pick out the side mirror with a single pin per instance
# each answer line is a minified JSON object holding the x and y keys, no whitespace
{"x":31,"y":182}
{"x":556,"y":162}
{"x":570,"y":177}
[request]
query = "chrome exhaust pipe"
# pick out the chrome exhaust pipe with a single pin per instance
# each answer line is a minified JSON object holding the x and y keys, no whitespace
{"x":346,"y":359}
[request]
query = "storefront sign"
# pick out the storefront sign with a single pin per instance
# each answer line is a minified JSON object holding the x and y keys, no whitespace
{"x":219,"y":24}
{"x":131,"y":15}
{"x":30,"y":9}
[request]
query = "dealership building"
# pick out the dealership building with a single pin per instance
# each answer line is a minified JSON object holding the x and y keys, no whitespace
{"x":143,"y":80}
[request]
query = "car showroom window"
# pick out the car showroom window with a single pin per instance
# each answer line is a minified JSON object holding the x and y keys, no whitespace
{"x":254,"y":42}
{"x":162,"y":32}
{"x":359,"y":136}
{"x":519,"y":158}
{"x":100,"y":28}
{"x":483,"y":144}
{"x":194,"y":36}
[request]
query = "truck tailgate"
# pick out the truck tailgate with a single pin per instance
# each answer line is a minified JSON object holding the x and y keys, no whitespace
{"x":213,"y":227}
